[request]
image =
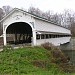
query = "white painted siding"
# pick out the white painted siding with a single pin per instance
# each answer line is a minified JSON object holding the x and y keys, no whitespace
{"x":13,"y":18}
{"x":48,"y":27}
{"x":55,"y":41}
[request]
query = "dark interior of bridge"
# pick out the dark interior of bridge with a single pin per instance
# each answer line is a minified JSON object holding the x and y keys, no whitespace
{"x":21,"y":33}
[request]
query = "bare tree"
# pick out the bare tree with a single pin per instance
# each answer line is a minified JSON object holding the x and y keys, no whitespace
{"x":31,"y":10}
{"x":54,"y":18}
{"x":1,"y":16}
{"x":73,"y":29}
{"x":7,"y":9}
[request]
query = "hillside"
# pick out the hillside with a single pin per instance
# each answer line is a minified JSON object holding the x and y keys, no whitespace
{"x":29,"y":61}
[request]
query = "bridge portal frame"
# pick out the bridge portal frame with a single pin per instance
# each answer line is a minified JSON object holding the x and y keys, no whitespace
{"x":33,"y":33}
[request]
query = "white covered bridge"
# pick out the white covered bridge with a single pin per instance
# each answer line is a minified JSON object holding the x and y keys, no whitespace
{"x":21,"y":27}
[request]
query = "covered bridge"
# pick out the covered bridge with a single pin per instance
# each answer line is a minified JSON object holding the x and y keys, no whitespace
{"x":21,"y":27}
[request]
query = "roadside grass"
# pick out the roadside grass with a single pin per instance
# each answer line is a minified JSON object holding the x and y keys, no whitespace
{"x":28,"y":61}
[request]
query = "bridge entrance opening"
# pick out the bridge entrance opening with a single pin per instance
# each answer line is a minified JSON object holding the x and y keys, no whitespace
{"x":19,"y":33}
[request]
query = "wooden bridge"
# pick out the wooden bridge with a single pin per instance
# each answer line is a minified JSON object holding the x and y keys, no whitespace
{"x":21,"y":27}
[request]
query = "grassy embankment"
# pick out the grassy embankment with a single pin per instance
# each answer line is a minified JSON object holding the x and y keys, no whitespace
{"x":29,"y":61}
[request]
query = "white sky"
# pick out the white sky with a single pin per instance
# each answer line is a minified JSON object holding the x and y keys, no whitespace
{"x":45,"y":5}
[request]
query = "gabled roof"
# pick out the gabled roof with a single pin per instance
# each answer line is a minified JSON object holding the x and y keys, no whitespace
{"x":35,"y":16}
{"x":5,"y":16}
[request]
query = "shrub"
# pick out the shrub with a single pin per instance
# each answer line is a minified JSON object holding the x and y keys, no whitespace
{"x":44,"y":64}
{"x":48,"y":46}
{"x":58,"y":57}
{"x":67,"y":67}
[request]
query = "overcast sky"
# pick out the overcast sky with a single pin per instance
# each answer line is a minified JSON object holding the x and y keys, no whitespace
{"x":45,"y":5}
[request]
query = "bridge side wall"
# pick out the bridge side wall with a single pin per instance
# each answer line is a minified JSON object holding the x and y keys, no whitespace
{"x":48,"y":27}
{"x":52,"y":29}
{"x":55,"y":41}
